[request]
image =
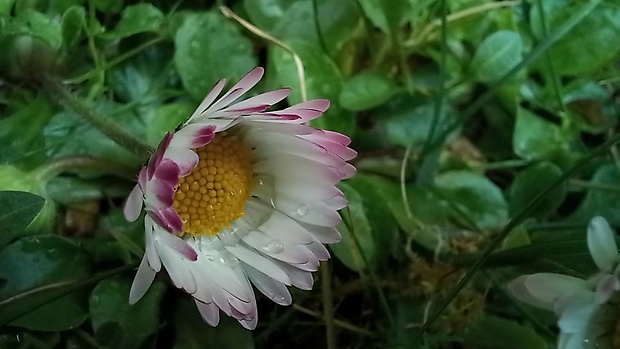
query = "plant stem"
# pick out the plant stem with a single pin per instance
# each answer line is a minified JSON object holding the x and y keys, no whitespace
{"x":98,"y":121}
{"x":328,"y":306}
{"x":72,"y":163}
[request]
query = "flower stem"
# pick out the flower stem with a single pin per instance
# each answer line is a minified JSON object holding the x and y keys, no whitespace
{"x":72,"y":163}
{"x":98,"y":121}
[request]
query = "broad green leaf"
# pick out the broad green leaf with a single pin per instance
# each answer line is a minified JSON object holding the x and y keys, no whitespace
{"x":44,"y":260}
{"x":166,"y":118}
{"x":144,"y":77}
{"x":497,"y":55}
{"x":538,"y":139}
{"x":196,"y":334}
{"x":137,"y":19}
{"x":108,"y":6}
{"x":407,"y":121}
{"x":5,"y":6}
{"x":71,"y":27}
{"x":366,"y":90}
{"x":338,"y":21}
{"x":531,"y":182}
{"x":587,"y":47}
{"x":600,"y":201}
{"x":389,"y":15}
{"x":358,"y":244}
{"x":17,"y":210}
{"x":493,"y":332}
{"x":475,"y":196}
{"x":266,"y":14}
{"x":383,"y":227}
{"x":25,"y":147}
{"x":68,"y":134}
{"x":323,"y":80}
{"x":38,"y":25}
{"x":208,"y":48}
{"x":125,"y":325}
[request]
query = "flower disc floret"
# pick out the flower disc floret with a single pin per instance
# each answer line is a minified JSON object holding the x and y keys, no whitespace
{"x":214,"y":193}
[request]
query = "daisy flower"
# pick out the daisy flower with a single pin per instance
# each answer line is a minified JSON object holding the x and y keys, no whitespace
{"x":587,"y":310}
{"x":238,"y":196}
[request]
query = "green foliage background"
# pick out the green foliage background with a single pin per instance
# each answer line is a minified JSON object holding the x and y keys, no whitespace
{"x":463,"y":112}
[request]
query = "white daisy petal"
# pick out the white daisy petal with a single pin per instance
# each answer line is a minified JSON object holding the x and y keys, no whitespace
{"x":274,"y":290}
{"x":133,"y":206}
{"x":209,"y":312}
{"x":543,"y":289}
{"x":141,"y":283}
{"x":602,"y":244}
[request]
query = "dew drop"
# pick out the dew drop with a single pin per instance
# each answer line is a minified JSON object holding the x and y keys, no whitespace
{"x":302,"y":210}
{"x":210,"y":258}
{"x":230,"y":260}
{"x":260,"y":182}
{"x":275,"y":246}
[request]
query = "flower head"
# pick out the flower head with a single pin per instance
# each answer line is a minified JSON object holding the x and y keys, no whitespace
{"x":241,"y":195}
{"x":587,"y":309}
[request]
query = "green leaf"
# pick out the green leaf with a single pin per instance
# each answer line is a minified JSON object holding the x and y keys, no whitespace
{"x":588,"y":46}
{"x":136,"y":19}
{"x":358,"y":244}
{"x":109,"y":305}
{"x":366,"y":90}
{"x":266,"y":14}
{"x":599,"y":201}
{"x":531,"y":182}
{"x":71,"y":27}
{"x":166,"y":118}
{"x":144,"y":77}
{"x":475,"y":196}
{"x":497,"y":55}
{"x":38,"y":25}
{"x":26,"y":147}
{"x":210,"y":47}
{"x":406,"y":121}
{"x":5,"y":6}
{"x":108,"y":6}
{"x":17,"y":210}
{"x":323,"y":80}
{"x":383,"y":227}
{"x":68,"y":134}
{"x":196,"y":334}
{"x":337,"y":22}
{"x":493,"y":332}
{"x":538,"y":139}
{"x":42,"y":261}
{"x":388,"y":15}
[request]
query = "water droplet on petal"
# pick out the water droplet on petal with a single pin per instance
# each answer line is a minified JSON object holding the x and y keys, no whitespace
{"x":275,"y":246}
{"x":230,"y":260}
{"x":302,"y":210}
{"x":260,"y":182}
{"x":209,"y":258}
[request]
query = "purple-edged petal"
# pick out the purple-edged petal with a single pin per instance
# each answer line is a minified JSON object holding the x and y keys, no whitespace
{"x":193,"y":136}
{"x":142,"y":281}
{"x":133,"y":206}
{"x":185,"y":159}
{"x":167,"y":219}
{"x":246,"y":83}
{"x":260,"y":102}
{"x":158,"y":155}
{"x":167,"y":173}
{"x":179,"y":245}
{"x":215,"y":91}
{"x":209,"y":312}
{"x":602,"y":244}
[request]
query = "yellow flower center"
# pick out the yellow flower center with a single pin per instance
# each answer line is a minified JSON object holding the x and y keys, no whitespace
{"x":214,"y":194}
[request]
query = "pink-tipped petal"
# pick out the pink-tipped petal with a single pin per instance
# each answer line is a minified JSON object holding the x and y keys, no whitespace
{"x":262,"y":100}
{"x":184,"y":250}
{"x":158,"y":155}
{"x":246,"y":83}
{"x":211,"y":96}
{"x":133,"y":205}
{"x":193,"y":136}
{"x":209,"y":312}
{"x":184,"y":158}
